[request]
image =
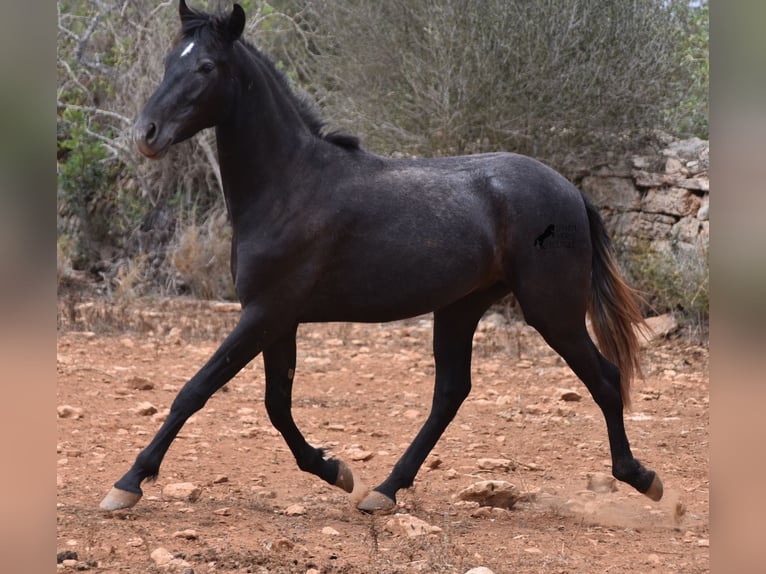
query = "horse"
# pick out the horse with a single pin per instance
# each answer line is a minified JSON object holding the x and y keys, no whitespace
{"x":324,"y":230}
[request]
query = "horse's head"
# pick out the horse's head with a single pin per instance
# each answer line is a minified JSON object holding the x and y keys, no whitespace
{"x":197,"y":83}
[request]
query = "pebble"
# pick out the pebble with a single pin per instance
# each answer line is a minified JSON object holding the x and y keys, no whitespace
{"x":187,"y":534}
{"x":139,"y":384}
{"x":495,"y":464}
{"x":410,"y":526}
{"x":497,"y":493}
{"x":145,"y":409}
{"x":162,"y":557}
{"x":68,"y":412}
{"x":187,"y":491}
{"x":569,"y":395}
{"x":295,"y":510}
{"x":479,"y":570}
{"x":330,"y":531}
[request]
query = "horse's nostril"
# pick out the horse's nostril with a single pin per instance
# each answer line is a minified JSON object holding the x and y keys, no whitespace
{"x":151,"y":133}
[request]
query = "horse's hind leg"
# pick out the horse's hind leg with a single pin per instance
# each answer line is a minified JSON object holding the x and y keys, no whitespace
{"x":565,"y":332}
{"x":279,"y":364}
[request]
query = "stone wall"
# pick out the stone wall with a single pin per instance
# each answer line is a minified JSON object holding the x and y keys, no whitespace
{"x":656,"y":208}
{"x":659,"y":202}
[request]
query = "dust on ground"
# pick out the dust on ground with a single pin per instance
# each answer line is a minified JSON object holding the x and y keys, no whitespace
{"x":362,"y":392}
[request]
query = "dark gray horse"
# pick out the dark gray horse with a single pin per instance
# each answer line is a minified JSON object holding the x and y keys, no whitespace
{"x":325,"y":231}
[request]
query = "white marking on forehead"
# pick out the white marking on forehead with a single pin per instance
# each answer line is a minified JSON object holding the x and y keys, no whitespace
{"x":187,"y":49}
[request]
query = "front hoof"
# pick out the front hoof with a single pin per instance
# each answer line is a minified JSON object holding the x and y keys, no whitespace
{"x":117,"y":499}
{"x":345,"y":478}
{"x":655,"y":489}
{"x":375,"y":502}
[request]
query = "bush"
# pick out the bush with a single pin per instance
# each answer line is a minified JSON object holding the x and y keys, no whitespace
{"x":673,"y":280}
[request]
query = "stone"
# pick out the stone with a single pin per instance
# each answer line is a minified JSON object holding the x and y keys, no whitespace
{"x":617,"y":193}
{"x":703,"y":213}
{"x":601,"y":483}
{"x":673,"y":201}
{"x":164,"y":559}
{"x":569,"y":395}
{"x":479,"y":570}
{"x":162,"y":556}
{"x":410,"y":526}
{"x":695,"y":184}
{"x":68,"y":412}
{"x":187,"y":534}
{"x":186,"y":491}
{"x":499,"y":493}
{"x":139,"y":384}
{"x":145,"y":409}
{"x":673,"y":165}
{"x":295,"y":510}
{"x":495,"y":464}
{"x":330,"y":531}
{"x":659,"y":327}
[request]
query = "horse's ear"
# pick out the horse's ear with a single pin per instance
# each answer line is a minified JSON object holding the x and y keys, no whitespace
{"x":236,"y":23}
{"x":183,"y":10}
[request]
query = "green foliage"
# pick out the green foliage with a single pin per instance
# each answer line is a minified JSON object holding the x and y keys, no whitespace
{"x":673,"y":280}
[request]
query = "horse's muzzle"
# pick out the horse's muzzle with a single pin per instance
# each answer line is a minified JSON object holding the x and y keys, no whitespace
{"x":148,"y":140}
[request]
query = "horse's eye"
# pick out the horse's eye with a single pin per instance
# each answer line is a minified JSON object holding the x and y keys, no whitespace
{"x":206,"y":67}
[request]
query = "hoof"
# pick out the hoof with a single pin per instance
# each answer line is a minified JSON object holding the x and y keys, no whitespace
{"x":376,"y":502}
{"x":117,"y":499}
{"x":345,"y":478}
{"x":655,"y":489}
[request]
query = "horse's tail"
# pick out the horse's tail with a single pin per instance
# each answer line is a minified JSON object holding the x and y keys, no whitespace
{"x":614,"y":307}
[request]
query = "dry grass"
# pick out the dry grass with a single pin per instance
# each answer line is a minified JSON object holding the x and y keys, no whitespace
{"x":201,"y":258}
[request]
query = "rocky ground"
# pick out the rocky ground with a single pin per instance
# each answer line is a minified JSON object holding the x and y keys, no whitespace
{"x":230,"y":498}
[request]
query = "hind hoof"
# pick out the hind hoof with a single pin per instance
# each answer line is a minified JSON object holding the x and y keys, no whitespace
{"x":375,"y":502}
{"x":345,"y":478}
{"x":117,"y":499}
{"x":655,"y":489}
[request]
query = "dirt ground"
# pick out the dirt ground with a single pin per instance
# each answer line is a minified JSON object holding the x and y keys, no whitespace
{"x":362,"y":392}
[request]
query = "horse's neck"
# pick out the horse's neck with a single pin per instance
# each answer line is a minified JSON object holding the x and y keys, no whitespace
{"x":260,"y":137}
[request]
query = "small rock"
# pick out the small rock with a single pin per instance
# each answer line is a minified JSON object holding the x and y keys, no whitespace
{"x":66,"y":555}
{"x":283,"y":544}
{"x":69,"y":563}
{"x":145,"y":409}
{"x":653,"y":559}
{"x":479,"y":570}
{"x":225,"y":511}
{"x":162,"y":556}
{"x":139,"y":384}
{"x":569,"y":395}
{"x":434,"y":462}
{"x":495,"y":464}
{"x":359,"y":455}
{"x":295,"y":510}
{"x":187,"y":491}
{"x":411,"y":526}
{"x":660,"y":327}
{"x":491,"y":493}
{"x":601,"y":483}
{"x":703,"y":542}
{"x":68,"y":412}
{"x":220,"y":479}
{"x":187,"y":534}
{"x":312,"y":571}
{"x":329,"y":531}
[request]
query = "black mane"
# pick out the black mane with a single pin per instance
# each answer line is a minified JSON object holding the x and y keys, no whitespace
{"x":197,"y":23}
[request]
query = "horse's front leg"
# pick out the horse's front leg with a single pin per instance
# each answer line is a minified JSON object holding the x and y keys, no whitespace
{"x":279,"y":364}
{"x":238,"y":349}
